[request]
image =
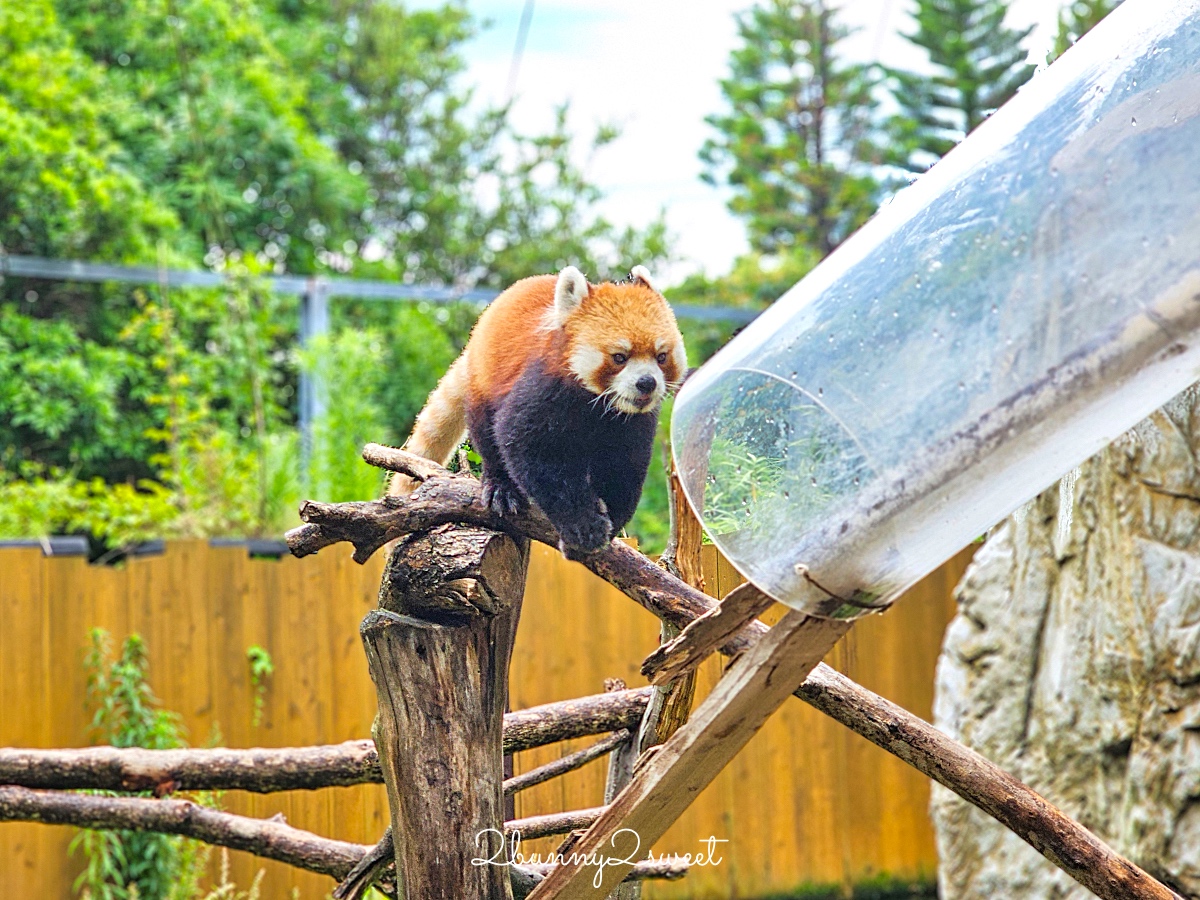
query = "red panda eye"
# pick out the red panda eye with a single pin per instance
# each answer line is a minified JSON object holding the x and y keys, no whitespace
{"x":662,"y":359}
{"x":620,"y":358}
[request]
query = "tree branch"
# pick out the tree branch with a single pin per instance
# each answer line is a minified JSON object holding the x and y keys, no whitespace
{"x":268,"y":838}
{"x":444,"y":499}
{"x":664,"y":869}
{"x":566,"y":764}
{"x":982,"y":783}
{"x":266,"y":770}
{"x":394,"y":459}
{"x":164,"y":771}
{"x":552,"y":823}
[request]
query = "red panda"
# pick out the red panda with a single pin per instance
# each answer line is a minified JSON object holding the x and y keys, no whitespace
{"x":559,"y":388}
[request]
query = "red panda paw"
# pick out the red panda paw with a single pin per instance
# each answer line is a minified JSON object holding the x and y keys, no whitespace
{"x":581,"y":539}
{"x":502,"y":497}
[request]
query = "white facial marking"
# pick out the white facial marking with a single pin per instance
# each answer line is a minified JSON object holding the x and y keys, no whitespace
{"x":681,"y":363}
{"x":584,"y":363}
{"x":626,"y":395}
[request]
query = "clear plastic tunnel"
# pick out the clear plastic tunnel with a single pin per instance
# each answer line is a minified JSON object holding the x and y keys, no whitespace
{"x":1021,"y":305}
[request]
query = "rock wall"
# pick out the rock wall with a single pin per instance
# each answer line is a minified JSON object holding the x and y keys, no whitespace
{"x":1074,"y":663}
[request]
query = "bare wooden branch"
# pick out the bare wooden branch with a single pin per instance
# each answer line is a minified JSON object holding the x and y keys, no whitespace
{"x":533,"y":827}
{"x":396,"y":460}
{"x":665,"y":870}
{"x":981,"y":782}
{"x":265,"y":770}
{"x":566,"y":719}
{"x":267,"y":838}
{"x":526,"y":878}
{"x":705,"y":635}
{"x":568,"y":763}
{"x":681,"y":557}
{"x":620,"y":761}
{"x":260,"y":770}
{"x":369,"y":525}
{"x":671,"y":707}
{"x":368,"y":870}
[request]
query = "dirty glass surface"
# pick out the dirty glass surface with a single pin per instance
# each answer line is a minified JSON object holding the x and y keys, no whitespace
{"x":1021,"y":305}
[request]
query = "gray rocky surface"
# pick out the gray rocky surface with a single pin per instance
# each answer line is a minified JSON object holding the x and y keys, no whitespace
{"x":1074,"y":662}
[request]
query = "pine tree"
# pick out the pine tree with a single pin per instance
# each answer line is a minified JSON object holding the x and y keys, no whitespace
{"x":1078,"y":18}
{"x":797,"y":143}
{"x":978,"y":64}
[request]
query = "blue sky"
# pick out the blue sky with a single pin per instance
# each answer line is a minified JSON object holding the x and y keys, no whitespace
{"x":652,"y":67}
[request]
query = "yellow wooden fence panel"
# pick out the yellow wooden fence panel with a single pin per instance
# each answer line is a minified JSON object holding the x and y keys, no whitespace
{"x":806,"y":802}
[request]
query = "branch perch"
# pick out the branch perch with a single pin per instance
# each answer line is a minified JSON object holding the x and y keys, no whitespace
{"x":452,"y":498}
{"x":267,"y":838}
{"x":264,"y":770}
{"x":533,"y":827}
{"x":455,"y":498}
{"x":568,"y":763}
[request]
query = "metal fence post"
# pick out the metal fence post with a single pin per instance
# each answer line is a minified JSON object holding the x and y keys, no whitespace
{"x":314,"y":322}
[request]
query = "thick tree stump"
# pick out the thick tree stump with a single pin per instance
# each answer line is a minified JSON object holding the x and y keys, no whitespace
{"x":438,"y":650}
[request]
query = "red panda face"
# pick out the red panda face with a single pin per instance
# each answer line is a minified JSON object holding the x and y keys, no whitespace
{"x":623,"y":344}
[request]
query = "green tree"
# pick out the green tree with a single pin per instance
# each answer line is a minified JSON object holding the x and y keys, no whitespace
{"x":545,"y":216}
{"x":64,"y":187}
{"x":217,"y":120}
{"x":250,"y":136}
{"x":797,"y":144}
{"x":1076,"y":19}
{"x":977,"y":63}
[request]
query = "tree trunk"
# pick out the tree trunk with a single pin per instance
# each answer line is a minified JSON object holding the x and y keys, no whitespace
{"x":438,"y":650}
{"x":1074,"y":663}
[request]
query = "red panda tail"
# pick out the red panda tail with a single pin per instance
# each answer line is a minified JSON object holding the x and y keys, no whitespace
{"x":441,"y":425}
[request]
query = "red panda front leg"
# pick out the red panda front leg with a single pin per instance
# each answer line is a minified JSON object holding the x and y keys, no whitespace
{"x":499,"y":493}
{"x":562,"y":490}
{"x":541,"y":431}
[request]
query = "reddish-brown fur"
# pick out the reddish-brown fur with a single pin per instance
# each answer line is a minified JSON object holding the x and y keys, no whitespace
{"x":512,"y":332}
{"x":508,"y":335}
{"x":524,"y":326}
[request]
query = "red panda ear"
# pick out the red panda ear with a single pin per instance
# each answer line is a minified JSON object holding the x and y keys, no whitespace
{"x":570,"y":290}
{"x":640,"y":273}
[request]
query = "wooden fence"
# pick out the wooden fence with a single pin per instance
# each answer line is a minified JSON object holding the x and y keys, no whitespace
{"x":806,"y":803}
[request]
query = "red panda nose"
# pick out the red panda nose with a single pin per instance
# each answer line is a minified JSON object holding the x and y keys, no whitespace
{"x":646,"y":384}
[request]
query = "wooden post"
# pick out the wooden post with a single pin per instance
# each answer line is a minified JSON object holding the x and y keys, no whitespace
{"x":438,"y":650}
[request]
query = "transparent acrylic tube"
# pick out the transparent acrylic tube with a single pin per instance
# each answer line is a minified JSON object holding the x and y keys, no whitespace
{"x":1020,"y":306}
